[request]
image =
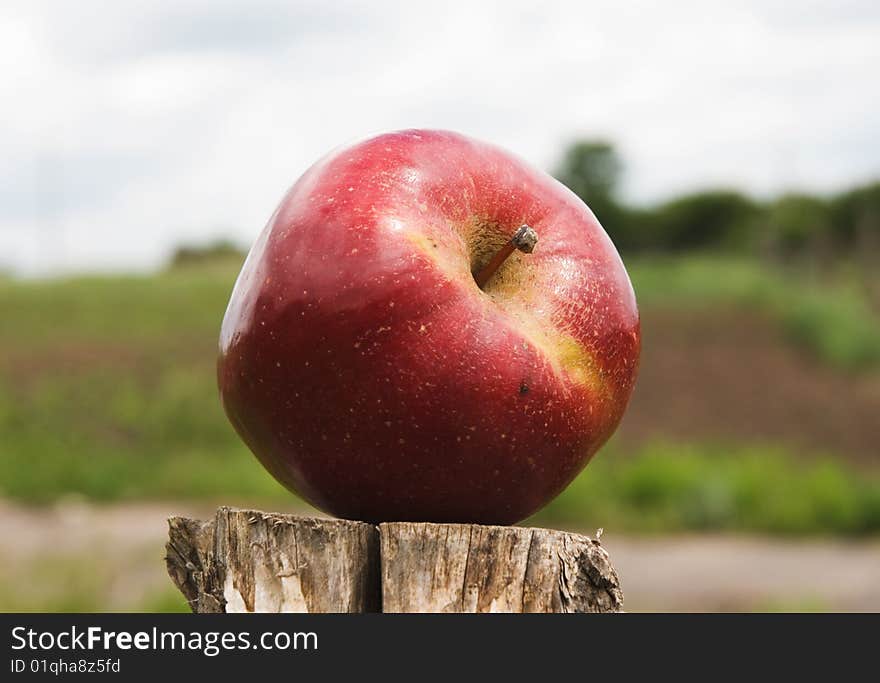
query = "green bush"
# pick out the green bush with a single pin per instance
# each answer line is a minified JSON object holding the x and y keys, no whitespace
{"x":668,"y":486}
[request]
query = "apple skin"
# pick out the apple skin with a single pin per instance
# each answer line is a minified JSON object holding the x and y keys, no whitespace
{"x":369,"y":374}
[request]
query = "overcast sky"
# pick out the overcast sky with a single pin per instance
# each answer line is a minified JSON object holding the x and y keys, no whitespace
{"x":129,"y":127}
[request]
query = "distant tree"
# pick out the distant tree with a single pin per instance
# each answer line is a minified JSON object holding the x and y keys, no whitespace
{"x":855,"y":217}
{"x":213,"y":252}
{"x":592,"y":170}
{"x":797,"y":224}
{"x":793,"y":225}
{"x":716,"y":218}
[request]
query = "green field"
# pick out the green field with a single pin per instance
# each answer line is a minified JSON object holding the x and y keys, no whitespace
{"x":827,"y":314}
{"x":107,"y":390}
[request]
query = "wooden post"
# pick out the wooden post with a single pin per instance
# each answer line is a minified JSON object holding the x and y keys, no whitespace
{"x":244,"y":560}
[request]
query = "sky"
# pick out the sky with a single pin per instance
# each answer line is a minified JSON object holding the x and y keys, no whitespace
{"x":128,"y":128}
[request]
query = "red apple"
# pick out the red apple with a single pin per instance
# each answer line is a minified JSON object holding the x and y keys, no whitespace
{"x":370,"y":374}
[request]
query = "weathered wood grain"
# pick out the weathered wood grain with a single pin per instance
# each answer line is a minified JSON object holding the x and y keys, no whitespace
{"x":251,"y":561}
{"x":474,"y":568}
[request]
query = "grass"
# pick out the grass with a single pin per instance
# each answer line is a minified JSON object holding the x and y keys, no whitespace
{"x":107,"y":390}
{"x":806,"y":604}
{"x":86,"y":582}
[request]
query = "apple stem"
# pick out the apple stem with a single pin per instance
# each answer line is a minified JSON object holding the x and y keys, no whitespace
{"x":524,"y":240}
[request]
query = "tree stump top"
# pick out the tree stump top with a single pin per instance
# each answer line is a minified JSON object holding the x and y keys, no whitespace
{"x":252,"y":561}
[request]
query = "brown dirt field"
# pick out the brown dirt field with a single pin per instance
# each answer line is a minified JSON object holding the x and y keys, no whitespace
{"x":729,"y":375}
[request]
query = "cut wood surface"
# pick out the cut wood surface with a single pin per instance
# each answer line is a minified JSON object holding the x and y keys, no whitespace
{"x":245,"y":560}
{"x":251,"y":561}
{"x":474,"y":568}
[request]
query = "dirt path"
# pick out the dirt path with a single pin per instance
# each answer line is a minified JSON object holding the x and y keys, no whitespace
{"x":82,"y":556}
{"x":734,"y":573}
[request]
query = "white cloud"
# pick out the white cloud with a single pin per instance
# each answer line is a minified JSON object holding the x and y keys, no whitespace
{"x":127,"y":128}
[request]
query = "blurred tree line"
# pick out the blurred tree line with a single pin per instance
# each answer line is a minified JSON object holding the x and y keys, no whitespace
{"x":789,"y":227}
{"x":792,"y":227}
{"x":222,"y":251}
